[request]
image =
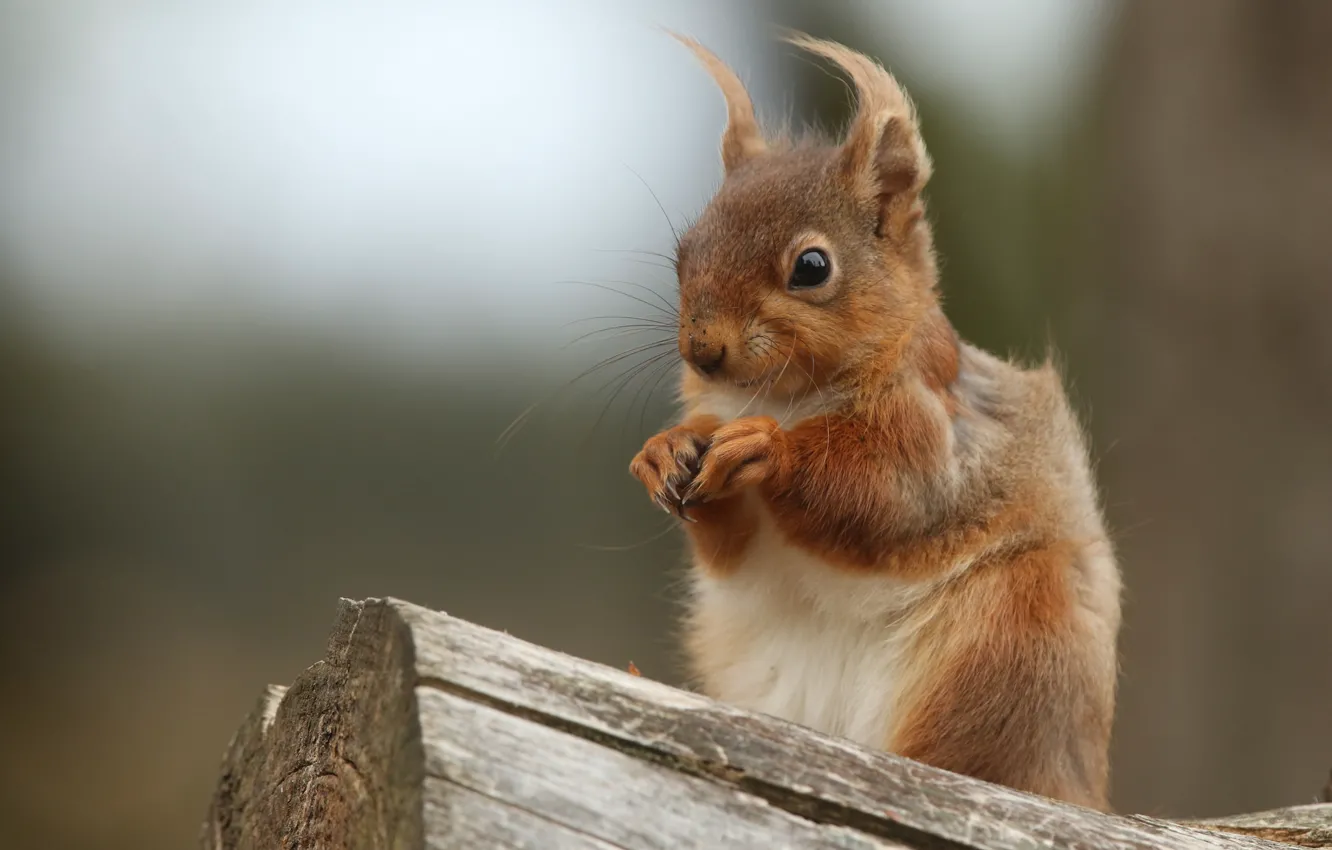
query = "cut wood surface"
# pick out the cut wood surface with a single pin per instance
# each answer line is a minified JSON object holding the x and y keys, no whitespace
{"x":422,"y":730}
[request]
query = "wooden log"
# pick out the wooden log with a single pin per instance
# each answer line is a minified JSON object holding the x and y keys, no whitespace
{"x":1304,"y":826}
{"x":421,"y":730}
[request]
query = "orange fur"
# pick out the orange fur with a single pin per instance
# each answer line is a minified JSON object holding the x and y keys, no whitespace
{"x":666,"y":463}
{"x":742,"y":138}
{"x":1012,"y":699}
{"x":721,"y":532}
{"x":939,"y":359}
{"x":896,"y":536}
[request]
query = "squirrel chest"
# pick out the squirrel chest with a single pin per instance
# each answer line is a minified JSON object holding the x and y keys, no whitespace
{"x":782,"y":632}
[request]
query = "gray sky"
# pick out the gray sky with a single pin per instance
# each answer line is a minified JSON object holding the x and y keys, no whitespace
{"x":414,"y":168}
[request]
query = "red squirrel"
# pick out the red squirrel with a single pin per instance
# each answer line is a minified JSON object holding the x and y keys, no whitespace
{"x":896,"y":537}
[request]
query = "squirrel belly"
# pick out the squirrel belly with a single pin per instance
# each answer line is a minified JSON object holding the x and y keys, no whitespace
{"x":787,"y":634}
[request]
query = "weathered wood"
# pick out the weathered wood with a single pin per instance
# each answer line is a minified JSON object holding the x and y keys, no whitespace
{"x":422,"y":730}
{"x":242,"y":769}
{"x":597,"y":790}
{"x":339,"y":762}
{"x":1306,"y":826}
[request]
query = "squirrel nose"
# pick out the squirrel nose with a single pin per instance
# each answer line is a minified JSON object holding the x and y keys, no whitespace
{"x":706,"y":358}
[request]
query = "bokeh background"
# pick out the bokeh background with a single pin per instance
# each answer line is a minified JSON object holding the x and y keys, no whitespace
{"x":276,"y":277}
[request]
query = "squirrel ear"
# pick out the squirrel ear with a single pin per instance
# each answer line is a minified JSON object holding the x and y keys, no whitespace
{"x":883,"y":157}
{"x":742,"y":138}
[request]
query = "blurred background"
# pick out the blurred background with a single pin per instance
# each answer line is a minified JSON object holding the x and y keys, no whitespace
{"x":275,"y":278}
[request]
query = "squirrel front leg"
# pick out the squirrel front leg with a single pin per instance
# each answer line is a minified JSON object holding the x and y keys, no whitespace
{"x":720,"y":524}
{"x":832,"y":483}
{"x":747,"y":451}
{"x":669,"y":461}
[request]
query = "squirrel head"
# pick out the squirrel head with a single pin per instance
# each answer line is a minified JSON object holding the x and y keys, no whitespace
{"x":813,"y":262}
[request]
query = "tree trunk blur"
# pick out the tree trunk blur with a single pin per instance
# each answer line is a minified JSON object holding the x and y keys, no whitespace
{"x":1213,"y":389}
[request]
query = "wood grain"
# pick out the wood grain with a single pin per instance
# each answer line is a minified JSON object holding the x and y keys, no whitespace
{"x":423,"y":730}
{"x":1304,"y":826}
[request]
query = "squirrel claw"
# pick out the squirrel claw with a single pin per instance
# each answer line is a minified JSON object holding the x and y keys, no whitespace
{"x":667,"y":466}
{"x":679,"y":503}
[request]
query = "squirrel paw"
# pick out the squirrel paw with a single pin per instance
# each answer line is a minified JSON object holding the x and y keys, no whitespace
{"x":667,"y":464}
{"x":740,"y":454}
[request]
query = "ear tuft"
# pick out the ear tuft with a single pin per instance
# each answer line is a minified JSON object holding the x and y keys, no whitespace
{"x":883,"y":155}
{"x":742,"y":138}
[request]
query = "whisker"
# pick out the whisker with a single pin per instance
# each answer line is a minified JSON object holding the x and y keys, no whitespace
{"x":616,"y":358}
{"x":623,"y":330}
{"x":506,"y":436}
{"x":667,"y":257}
{"x":823,"y":401}
{"x":644,"y":391}
{"x":668,"y":321}
{"x":667,"y":370}
{"x":652,"y":264}
{"x":795,"y":400}
{"x":620,"y":382}
{"x":752,"y":316}
{"x":827,"y":414}
{"x":778,"y":380}
{"x":670,"y":309}
{"x":653,"y":359}
{"x":660,"y":206}
{"x":752,"y":399}
{"x":513,"y":427}
{"x":624,"y":378}
{"x":766,"y":345}
{"x":670,"y":526}
{"x":657,"y":322}
{"x":660,"y":363}
{"x":791,"y":403}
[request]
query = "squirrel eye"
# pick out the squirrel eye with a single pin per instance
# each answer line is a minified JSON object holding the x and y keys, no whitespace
{"x":812,"y":269}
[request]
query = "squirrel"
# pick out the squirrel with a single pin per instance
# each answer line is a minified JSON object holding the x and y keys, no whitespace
{"x":895,"y":536}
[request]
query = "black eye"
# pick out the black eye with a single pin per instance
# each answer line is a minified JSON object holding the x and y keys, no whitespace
{"x":812,"y":269}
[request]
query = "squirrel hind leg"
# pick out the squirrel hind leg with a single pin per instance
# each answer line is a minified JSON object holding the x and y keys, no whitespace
{"x":1013,"y":695}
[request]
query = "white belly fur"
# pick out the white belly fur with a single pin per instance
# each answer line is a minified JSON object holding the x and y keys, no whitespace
{"x":791,"y":636}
